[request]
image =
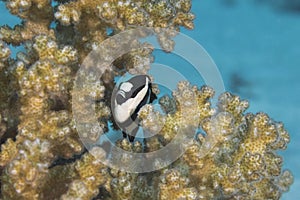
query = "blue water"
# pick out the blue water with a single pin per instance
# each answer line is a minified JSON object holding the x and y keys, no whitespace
{"x":256,"y":47}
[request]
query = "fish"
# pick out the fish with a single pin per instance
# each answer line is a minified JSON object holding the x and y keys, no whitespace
{"x":127,"y":101}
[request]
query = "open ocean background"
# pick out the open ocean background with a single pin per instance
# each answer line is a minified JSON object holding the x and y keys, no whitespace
{"x":256,"y":46}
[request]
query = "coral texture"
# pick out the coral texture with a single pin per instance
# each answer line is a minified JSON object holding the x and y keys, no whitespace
{"x":233,"y":155}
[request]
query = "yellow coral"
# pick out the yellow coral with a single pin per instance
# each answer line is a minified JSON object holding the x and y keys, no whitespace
{"x":29,"y":10}
{"x":90,"y":174}
{"x":4,"y":51}
{"x":39,"y":128}
{"x":239,"y":165}
{"x":175,"y":186}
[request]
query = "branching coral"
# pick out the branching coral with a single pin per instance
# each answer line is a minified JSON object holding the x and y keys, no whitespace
{"x":115,"y":16}
{"x":243,"y":163}
{"x":8,"y":102}
{"x":37,"y":16}
{"x":121,"y":14}
{"x":43,"y":132}
{"x":4,"y":55}
{"x":232,"y":156}
{"x":174,"y":186}
{"x":90,"y":173}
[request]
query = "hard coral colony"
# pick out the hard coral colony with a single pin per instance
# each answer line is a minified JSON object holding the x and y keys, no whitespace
{"x":37,"y":129}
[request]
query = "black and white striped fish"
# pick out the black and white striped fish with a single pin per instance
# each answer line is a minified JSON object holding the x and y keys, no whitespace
{"x":128,"y":99}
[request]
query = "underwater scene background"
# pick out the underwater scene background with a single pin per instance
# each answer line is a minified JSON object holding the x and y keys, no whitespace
{"x":256,"y":46}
